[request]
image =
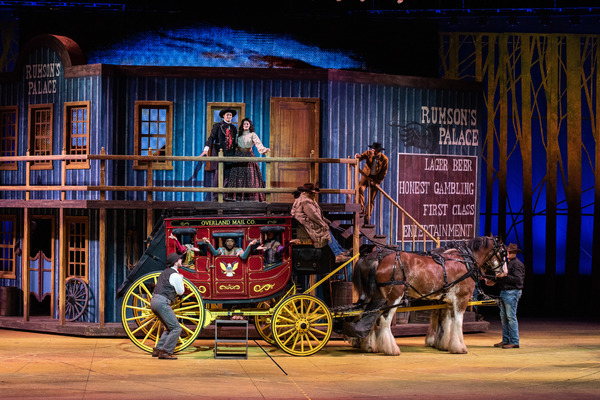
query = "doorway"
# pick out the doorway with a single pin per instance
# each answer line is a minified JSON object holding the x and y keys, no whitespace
{"x":294,"y":133}
{"x":41,"y":261}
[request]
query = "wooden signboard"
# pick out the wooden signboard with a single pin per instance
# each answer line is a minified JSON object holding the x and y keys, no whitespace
{"x":439,"y":191}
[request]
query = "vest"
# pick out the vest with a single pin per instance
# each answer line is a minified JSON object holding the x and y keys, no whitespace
{"x":163,"y":286}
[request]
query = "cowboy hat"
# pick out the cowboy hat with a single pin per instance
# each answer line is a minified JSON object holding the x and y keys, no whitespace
{"x":513,"y":248}
{"x":376,"y":146}
{"x":227,"y":110}
{"x":308,"y":187}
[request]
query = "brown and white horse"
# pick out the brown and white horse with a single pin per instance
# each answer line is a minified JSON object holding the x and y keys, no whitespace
{"x":385,"y":278}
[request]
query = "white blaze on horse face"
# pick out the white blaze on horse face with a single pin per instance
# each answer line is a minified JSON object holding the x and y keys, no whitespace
{"x":504,"y":271}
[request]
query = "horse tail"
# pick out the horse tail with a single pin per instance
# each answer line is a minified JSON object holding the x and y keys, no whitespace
{"x":363,"y":278}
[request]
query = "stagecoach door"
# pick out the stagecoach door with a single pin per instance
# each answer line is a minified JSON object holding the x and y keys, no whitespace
{"x":229,"y":278}
{"x":294,"y":133}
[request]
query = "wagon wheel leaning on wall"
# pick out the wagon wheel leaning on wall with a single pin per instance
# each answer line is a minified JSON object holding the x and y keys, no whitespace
{"x":301,"y":325}
{"x":76,"y":298}
{"x":144,"y":328}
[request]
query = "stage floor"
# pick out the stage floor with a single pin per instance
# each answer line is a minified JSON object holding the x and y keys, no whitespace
{"x":557,"y":360}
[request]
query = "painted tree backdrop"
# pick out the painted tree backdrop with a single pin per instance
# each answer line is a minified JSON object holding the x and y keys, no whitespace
{"x":540,"y":155}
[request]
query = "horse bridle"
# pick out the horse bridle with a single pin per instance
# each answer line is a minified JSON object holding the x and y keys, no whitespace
{"x":497,"y":257}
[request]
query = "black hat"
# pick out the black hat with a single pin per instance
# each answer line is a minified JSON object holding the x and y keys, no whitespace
{"x":513,"y":248}
{"x":308,"y":187}
{"x":227,"y":110}
{"x":376,"y":146}
{"x":173,"y":258}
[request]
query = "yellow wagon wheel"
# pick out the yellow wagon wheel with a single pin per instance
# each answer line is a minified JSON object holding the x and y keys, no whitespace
{"x":262,"y":323}
{"x":301,"y":325}
{"x":143,"y":327}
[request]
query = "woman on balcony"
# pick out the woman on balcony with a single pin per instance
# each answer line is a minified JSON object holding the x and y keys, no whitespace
{"x":246,"y":175}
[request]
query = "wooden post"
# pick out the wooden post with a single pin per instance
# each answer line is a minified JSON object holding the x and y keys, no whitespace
{"x":102,"y":175}
{"x":348,"y":180}
{"x":62,"y":265}
{"x":102,"y":268}
{"x":356,"y":230}
{"x":313,"y":178}
{"x":25,"y":262}
{"x":149,"y":198}
{"x":63,"y":174}
{"x":268,"y":178}
{"x":27,"y":178}
{"x":391,"y":240}
{"x":402,"y":232}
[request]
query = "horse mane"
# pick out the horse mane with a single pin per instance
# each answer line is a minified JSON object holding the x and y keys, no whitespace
{"x":477,"y":243}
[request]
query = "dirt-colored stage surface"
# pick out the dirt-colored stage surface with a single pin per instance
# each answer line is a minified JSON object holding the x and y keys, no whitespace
{"x":557,"y":360}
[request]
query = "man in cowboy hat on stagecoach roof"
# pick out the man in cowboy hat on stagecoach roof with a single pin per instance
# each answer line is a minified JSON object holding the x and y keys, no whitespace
{"x":308,"y":213}
{"x":511,"y":288}
{"x":375,"y":169}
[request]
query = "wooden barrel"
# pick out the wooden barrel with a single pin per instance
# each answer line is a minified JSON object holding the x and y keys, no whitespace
{"x":342,"y":293}
{"x":9,"y":301}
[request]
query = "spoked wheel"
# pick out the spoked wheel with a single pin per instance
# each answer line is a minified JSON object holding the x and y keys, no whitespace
{"x":76,"y":298}
{"x":144,"y":328}
{"x":262,"y":323}
{"x":301,"y":325}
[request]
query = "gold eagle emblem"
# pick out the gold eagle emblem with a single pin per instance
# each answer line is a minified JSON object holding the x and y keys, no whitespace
{"x":229,"y":268}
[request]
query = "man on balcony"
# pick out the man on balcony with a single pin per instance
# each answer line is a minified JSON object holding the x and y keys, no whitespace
{"x":375,"y":169}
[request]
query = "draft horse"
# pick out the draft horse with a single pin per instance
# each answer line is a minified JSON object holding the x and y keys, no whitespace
{"x":384,"y":278}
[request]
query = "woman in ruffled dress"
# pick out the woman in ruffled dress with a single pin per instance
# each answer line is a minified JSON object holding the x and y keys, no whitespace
{"x":246,"y":175}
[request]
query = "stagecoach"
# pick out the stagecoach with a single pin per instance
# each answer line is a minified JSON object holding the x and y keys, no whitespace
{"x":265,"y":287}
{"x":260,"y":286}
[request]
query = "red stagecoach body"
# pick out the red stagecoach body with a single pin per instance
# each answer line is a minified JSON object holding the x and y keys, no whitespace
{"x":227,"y":278}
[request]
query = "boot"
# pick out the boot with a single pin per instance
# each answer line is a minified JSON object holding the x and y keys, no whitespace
{"x":163,"y":355}
{"x":155,"y":352}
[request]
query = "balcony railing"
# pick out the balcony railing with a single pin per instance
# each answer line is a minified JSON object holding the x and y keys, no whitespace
{"x":351,"y":189}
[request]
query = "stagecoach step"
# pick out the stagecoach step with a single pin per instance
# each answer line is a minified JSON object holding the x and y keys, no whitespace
{"x":231,"y":348}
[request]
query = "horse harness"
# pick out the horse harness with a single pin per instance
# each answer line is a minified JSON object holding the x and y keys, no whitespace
{"x":467,"y":259}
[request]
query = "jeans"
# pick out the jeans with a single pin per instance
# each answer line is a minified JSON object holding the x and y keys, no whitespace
{"x":335,"y":246}
{"x":161,"y":306}
{"x":508,"y":315}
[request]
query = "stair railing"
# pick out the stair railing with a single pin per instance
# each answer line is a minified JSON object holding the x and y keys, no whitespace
{"x":403,"y":215}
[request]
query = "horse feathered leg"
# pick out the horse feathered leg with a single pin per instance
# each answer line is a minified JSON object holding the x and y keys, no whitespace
{"x":444,"y":330}
{"x":385,"y":340}
{"x":369,"y":344}
{"x":454,"y":342}
{"x":432,"y":331}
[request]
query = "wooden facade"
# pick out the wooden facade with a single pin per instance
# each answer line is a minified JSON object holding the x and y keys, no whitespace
{"x":85,"y":176}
